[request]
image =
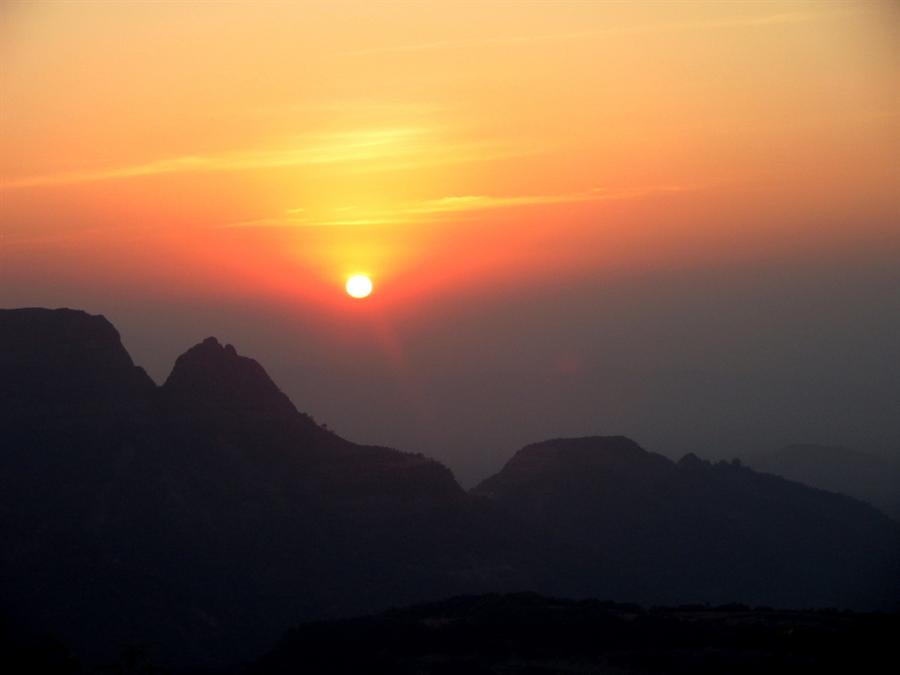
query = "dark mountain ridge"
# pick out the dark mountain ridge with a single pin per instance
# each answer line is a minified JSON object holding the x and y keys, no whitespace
{"x":652,"y":530}
{"x":208,"y":514}
{"x":202,"y":510}
{"x":862,"y":475}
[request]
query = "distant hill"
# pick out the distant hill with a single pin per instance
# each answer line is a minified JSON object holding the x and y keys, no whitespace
{"x":204,"y":516}
{"x":530,"y":634}
{"x":873,"y":479}
{"x":649,"y":530}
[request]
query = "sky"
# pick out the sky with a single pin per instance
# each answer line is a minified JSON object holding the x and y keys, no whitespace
{"x":678,"y":221}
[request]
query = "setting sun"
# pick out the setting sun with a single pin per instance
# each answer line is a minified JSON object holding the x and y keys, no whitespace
{"x":359,"y":286}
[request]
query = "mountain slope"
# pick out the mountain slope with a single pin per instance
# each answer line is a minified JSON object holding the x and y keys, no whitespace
{"x":203,"y":515}
{"x":655,"y":531}
{"x":872,"y":479}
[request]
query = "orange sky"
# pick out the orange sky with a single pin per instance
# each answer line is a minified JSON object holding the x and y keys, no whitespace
{"x":275,"y":148}
{"x":676,"y":221}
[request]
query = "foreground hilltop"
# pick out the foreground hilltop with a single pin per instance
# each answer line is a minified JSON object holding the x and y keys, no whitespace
{"x":206,"y":515}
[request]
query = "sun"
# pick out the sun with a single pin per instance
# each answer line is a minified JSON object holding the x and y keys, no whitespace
{"x":359,"y":286}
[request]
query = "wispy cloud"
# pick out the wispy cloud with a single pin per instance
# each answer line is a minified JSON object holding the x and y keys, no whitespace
{"x":675,"y":26}
{"x":432,"y":210}
{"x":380,"y":149}
{"x":485,"y":202}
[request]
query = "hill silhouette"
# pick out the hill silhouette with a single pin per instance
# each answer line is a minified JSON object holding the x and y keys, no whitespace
{"x":206,"y":515}
{"x":837,"y":469}
{"x":652,"y":530}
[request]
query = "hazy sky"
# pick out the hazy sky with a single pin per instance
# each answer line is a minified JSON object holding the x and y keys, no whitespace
{"x":677,"y":221}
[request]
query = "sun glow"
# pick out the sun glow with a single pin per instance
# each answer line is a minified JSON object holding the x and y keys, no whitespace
{"x":359,"y":286}
{"x":376,"y":147}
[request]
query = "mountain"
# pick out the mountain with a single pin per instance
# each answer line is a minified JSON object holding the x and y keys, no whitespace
{"x":867,"y":477}
{"x":650,"y":530}
{"x":204,"y":516}
{"x":208,"y":514}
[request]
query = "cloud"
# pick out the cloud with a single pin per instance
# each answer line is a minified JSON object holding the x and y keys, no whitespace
{"x":386,"y":149}
{"x":436,"y":209}
{"x":484,"y":202}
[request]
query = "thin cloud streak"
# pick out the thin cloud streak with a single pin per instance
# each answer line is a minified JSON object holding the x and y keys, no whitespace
{"x":382,"y":150}
{"x":435,"y":209}
{"x":484,"y":202}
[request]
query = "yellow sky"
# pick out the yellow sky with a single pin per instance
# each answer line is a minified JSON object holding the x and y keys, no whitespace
{"x":274,"y":148}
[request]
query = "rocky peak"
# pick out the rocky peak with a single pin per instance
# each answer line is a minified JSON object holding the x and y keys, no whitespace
{"x":212,"y":375}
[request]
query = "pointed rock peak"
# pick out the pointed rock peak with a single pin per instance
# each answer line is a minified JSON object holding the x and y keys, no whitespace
{"x":212,"y":375}
{"x":211,"y":351}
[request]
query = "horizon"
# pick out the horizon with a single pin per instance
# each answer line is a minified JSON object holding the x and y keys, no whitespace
{"x":473,"y":480}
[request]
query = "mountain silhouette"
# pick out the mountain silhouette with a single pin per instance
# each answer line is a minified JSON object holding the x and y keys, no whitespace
{"x":214,"y":377}
{"x":652,"y":530}
{"x":858,"y":474}
{"x":206,"y":515}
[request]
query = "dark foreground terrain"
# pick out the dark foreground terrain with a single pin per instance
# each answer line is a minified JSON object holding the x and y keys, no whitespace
{"x":525,"y":633}
{"x":529,"y":633}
